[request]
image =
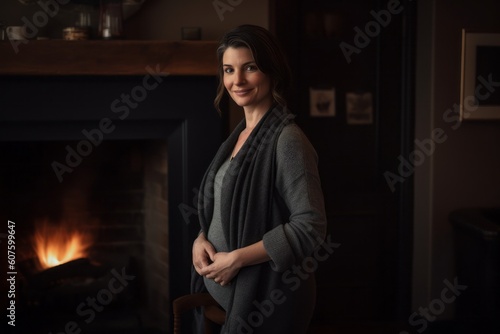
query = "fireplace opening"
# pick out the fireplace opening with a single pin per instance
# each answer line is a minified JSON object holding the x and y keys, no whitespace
{"x":92,"y":246}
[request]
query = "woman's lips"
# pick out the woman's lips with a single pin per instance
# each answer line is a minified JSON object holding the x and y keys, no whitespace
{"x":242,"y":92}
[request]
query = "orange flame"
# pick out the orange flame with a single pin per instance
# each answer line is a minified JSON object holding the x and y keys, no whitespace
{"x":55,"y":245}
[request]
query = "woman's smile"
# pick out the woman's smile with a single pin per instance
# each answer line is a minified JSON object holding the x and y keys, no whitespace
{"x":242,"y":92}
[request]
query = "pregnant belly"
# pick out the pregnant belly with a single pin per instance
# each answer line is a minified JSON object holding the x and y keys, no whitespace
{"x":220,"y":293}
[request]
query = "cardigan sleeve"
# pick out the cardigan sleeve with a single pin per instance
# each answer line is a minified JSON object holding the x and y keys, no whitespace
{"x":298,"y":184}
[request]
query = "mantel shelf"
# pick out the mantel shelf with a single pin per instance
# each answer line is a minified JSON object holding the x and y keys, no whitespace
{"x":108,"y":58}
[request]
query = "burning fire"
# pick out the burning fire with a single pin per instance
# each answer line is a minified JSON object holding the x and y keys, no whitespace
{"x":58,"y":244}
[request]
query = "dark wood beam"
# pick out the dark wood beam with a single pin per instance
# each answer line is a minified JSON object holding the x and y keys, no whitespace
{"x":60,"y":57}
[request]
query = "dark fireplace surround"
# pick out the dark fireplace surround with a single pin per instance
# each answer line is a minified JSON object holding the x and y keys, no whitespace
{"x":172,"y":131}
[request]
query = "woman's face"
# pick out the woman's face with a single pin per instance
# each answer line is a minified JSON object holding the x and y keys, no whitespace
{"x":245,"y":83}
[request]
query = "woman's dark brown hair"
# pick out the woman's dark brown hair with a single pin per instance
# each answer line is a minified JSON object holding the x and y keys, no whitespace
{"x":267,"y":55}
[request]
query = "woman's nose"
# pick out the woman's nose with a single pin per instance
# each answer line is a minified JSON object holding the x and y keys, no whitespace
{"x":239,"y":78}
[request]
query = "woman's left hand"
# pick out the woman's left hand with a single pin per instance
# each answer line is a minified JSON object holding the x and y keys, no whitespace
{"x":223,"y":268}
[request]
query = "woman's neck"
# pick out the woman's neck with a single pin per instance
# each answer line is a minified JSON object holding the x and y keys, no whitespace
{"x":253,"y":116}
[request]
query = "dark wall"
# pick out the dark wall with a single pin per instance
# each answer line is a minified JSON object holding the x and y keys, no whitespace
{"x":463,"y":171}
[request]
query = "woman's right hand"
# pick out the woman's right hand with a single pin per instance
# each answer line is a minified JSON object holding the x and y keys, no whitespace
{"x":203,"y":253}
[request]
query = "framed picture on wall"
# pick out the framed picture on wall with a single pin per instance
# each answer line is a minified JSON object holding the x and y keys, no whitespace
{"x":359,"y":107}
{"x":480,"y":76}
{"x":322,"y":102}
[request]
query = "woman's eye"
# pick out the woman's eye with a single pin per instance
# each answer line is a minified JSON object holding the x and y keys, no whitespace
{"x":251,"y":68}
{"x":228,"y":70}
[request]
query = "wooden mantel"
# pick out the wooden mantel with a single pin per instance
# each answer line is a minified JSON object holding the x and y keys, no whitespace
{"x":117,"y":57}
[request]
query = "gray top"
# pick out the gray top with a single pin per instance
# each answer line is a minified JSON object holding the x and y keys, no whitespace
{"x":216,"y":237}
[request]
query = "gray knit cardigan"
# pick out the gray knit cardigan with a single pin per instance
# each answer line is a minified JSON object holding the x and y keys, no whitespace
{"x":271,"y":192}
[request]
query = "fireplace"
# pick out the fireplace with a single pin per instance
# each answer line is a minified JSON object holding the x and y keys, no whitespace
{"x":119,"y":177}
{"x":92,"y":249}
